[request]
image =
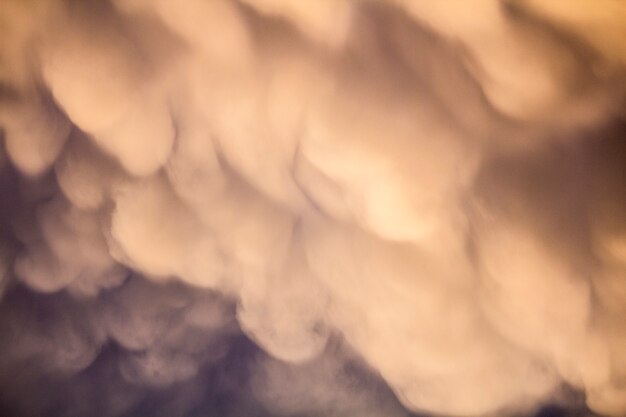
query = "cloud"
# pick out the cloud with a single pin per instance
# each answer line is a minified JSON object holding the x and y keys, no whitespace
{"x":274,"y":207}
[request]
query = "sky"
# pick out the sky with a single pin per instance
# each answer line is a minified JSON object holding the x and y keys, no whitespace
{"x":330,"y":208}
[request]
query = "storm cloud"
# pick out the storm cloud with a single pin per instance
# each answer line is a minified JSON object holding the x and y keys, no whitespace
{"x":346,"y":208}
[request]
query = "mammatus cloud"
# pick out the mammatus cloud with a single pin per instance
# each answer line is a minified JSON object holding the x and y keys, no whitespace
{"x":312,"y":208}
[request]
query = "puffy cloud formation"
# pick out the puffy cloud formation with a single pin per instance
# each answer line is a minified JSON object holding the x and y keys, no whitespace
{"x":323,"y":208}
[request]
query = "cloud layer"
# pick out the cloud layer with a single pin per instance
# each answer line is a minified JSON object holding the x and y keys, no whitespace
{"x":329,"y":208}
